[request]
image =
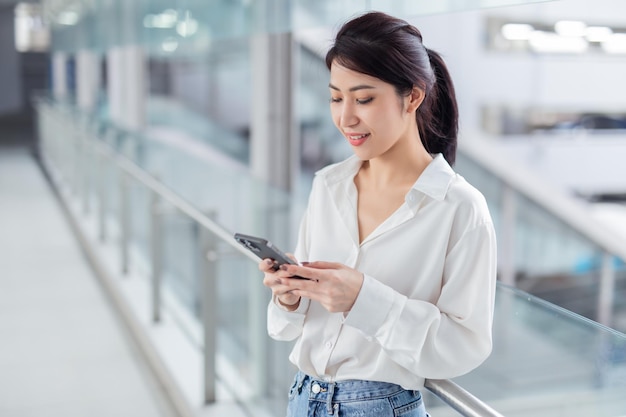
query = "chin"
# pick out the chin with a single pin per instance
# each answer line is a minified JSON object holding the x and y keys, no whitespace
{"x":363,"y":155}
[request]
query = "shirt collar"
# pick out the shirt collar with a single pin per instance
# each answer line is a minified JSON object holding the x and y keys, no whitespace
{"x":434,"y":181}
{"x":341,"y":171}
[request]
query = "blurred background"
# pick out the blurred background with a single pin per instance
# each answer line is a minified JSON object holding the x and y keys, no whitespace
{"x":165,"y":126}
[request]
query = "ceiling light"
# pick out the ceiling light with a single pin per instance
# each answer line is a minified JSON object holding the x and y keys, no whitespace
{"x":570,"y":28}
{"x":615,"y":44}
{"x":598,"y":33}
{"x":517,"y":31}
{"x":68,"y":18}
{"x":165,"y":20}
{"x":188,"y":26}
{"x":169,"y":45}
{"x":549,"y":42}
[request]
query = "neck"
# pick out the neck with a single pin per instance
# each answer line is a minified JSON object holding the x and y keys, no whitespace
{"x":402,"y":164}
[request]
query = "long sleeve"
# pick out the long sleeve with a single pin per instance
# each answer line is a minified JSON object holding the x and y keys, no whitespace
{"x":283,"y":324}
{"x":444,"y":339}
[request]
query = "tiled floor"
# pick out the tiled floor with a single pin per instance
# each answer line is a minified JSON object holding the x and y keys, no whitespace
{"x":63,"y":350}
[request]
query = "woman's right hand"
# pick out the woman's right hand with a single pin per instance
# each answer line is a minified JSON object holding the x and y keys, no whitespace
{"x":274,"y":280}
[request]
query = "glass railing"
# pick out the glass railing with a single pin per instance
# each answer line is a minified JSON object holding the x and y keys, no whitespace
{"x":549,"y":361}
{"x":170,"y":217}
{"x":549,"y":245}
{"x":168,"y":115}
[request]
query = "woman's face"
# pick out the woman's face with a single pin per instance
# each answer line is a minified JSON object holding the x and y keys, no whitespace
{"x":368,"y":112}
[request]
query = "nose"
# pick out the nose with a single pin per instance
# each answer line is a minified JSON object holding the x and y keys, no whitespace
{"x":348,"y":115}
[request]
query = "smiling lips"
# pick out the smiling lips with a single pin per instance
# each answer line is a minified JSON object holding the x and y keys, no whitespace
{"x":357,"y":140}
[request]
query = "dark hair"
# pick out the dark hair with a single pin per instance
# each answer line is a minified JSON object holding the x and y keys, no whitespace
{"x":391,"y":50}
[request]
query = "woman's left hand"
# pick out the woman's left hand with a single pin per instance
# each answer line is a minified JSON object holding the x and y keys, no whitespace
{"x":334,"y":285}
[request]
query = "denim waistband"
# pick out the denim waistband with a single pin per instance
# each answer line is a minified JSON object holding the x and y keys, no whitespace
{"x":347,"y":390}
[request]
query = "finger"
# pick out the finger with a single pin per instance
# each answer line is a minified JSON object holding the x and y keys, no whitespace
{"x":277,"y":285}
{"x":295,"y":284}
{"x":272,"y":279}
{"x":291,"y":256}
{"x":267,"y":265}
{"x":302,"y":271}
{"x":324,"y":265}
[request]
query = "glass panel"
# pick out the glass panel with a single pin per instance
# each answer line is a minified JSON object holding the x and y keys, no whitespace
{"x":551,"y":260}
{"x":140,"y":203}
{"x":551,"y":362}
{"x":181,"y":267}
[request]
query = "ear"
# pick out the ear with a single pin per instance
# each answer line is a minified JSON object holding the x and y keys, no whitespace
{"x":415,"y":99}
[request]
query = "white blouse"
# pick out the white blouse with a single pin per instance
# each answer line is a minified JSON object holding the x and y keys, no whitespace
{"x":425,"y":309}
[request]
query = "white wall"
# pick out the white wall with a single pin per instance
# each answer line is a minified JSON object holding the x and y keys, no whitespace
{"x":591,"y":82}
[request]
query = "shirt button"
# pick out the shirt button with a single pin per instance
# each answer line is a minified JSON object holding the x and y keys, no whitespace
{"x":329,"y":344}
{"x":316,"y":388}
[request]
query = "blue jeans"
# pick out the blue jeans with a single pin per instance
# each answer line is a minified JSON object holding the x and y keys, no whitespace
{"x":309,"y":397}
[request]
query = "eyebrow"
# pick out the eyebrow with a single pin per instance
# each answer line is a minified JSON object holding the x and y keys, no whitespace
{"x":355,"y":88}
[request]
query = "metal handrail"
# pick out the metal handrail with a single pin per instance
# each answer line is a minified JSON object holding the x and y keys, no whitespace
{"x":459,"y":399}
{"x":172,"y":198}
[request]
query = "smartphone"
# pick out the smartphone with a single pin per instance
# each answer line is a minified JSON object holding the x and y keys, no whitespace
{"x":264,"y":249}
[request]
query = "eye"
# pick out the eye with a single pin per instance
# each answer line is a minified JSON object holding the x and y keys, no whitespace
{"x":335,"y":99}
{"x":365,"y":100}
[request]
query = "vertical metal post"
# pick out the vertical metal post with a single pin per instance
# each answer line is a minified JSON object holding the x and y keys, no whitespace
{"x":87,"y":170}
{"x":76,"y":180}
{"x":66,"y":148}
{"x":48,"y":131}
{"x":63,"y":143}
{"x":102,"y":201}
{"x":607,"y":290}
{"x":124,"y":219}
{"x":156,"y":245}
{"x":506,"y":251}
{"x":208,"y":281}
{"x":59,"y":75}
{"x":55,"y":137}
{"x":258,"y":344}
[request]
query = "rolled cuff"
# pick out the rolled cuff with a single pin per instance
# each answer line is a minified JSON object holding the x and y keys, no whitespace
{"x":283,"y":324}
{"x":372,"y":306}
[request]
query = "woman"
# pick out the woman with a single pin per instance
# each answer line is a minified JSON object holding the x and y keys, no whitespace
{"x":400,"y":249}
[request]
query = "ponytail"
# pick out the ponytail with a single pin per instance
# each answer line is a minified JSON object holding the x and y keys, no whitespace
{"x":438,"y":116}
